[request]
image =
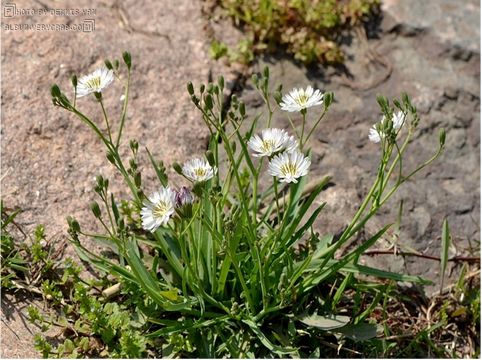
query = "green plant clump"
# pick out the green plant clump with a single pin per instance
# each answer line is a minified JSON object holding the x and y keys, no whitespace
{"x":231,"y":265}
{"x":310,"y":30}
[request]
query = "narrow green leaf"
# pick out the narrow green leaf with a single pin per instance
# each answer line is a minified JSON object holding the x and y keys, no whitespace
{"x":161,"y":173}
{"x":265,"y":341}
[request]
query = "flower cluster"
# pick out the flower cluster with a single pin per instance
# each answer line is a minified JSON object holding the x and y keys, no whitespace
{"x":376,"y":134}
{"x":287,"y":162}
{"x":162,"y":205}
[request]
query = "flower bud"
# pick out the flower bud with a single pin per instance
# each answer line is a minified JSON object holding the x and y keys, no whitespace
{"x":100,"y":181}
{"x":255,"y":80}
{"x":108,"y":64}
{"x":184,"y":197}
{"x":383,"y":102}
{"x":74,"y":81}
{"x":208,"y":102}
{"x":73,"y":224}
{"x":221,"y":82}
{"x":242,"y":109}
{"x":95,"y":209}
{"x":210,"y":158}
{"x":328,"y":99}
{"x":190,"y":88}
{"x":202,"y":88}
{"x":133,"y":164}
{"x":134,"y":145}
{"x":266,"y":72}
{"x":442,"y":137}
{"x":138,"y":179}
{"x":111,"y":158}
{"x":177,"y":168}
{"x":126,"y":56}
{"x":55,"y":91}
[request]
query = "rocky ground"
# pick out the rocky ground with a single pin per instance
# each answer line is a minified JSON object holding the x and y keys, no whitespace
{"x":429,"y":49}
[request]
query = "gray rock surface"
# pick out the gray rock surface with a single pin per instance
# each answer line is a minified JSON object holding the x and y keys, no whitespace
{"x":432,"y":49}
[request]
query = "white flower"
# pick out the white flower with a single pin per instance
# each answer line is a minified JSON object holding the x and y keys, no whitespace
{"x":289,"y":166}
{"x":198,"y":170}
{"x":272,"y":141}
{"x":300,"y":99}
{"x":158,"y":208}
{"x":375,"y":136}
{"x":95,"y":82}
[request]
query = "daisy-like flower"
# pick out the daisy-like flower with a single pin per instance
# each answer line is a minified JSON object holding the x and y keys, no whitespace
{"x":158,"y":209}
{"x":272,"y":141}
{"x":375,"y":136}
{"x":289,"y":166}
{"x":95,"y":82}
{"x":300,"y":99}
{"x":198,"y":170}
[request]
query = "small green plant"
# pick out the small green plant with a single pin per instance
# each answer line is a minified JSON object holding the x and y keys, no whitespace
{"x":232,"y":265}
{"x":310,"y":30}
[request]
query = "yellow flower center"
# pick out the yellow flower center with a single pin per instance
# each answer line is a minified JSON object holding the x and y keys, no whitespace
{"x":161,"y":209}
{"x":268,"y":145}
{"x":93,"y":83}
{"x":302,"y":99}
{"x":288,"y":169}
{"x":200,"y":172}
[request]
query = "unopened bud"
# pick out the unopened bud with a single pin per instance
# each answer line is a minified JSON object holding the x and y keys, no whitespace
{"x":442,"y":137}
{"x":74,"y":81}
{"x":266,"y":72}
{"x":134,"y":145}
{"x":73,"y":224}
{"x":255,"y":79}
{"x":184,"y":197}
{"x":208,"y":101}
{"x":190,"y":88}
{"x":95,"y":209}
{"x":108,"y":64}
{"x":126,"y":56}
{"x":138,"y":179}
{"x":242,"y":109}
{"x":177,"y":168}
{"x":221,"y":82}
{"x":55,"y":91}
{"x":210,"y":157}
{"x":111,"y":158}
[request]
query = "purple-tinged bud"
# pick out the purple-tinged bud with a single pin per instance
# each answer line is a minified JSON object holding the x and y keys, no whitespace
{"x":184,"y":201}
{"x":184,"y":197}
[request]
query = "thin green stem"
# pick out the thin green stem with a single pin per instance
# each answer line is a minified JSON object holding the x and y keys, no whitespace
{"x":315,"y":126}
{"x":124,"y":109}
{"x":303,"y":113}
{"x":106,"y":119}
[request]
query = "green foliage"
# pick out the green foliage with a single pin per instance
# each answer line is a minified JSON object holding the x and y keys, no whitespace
{"x":310,"y":30}
{"x":240,"y":271}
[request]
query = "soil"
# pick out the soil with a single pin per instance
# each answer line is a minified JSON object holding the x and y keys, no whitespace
{"x":428,"y":49}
